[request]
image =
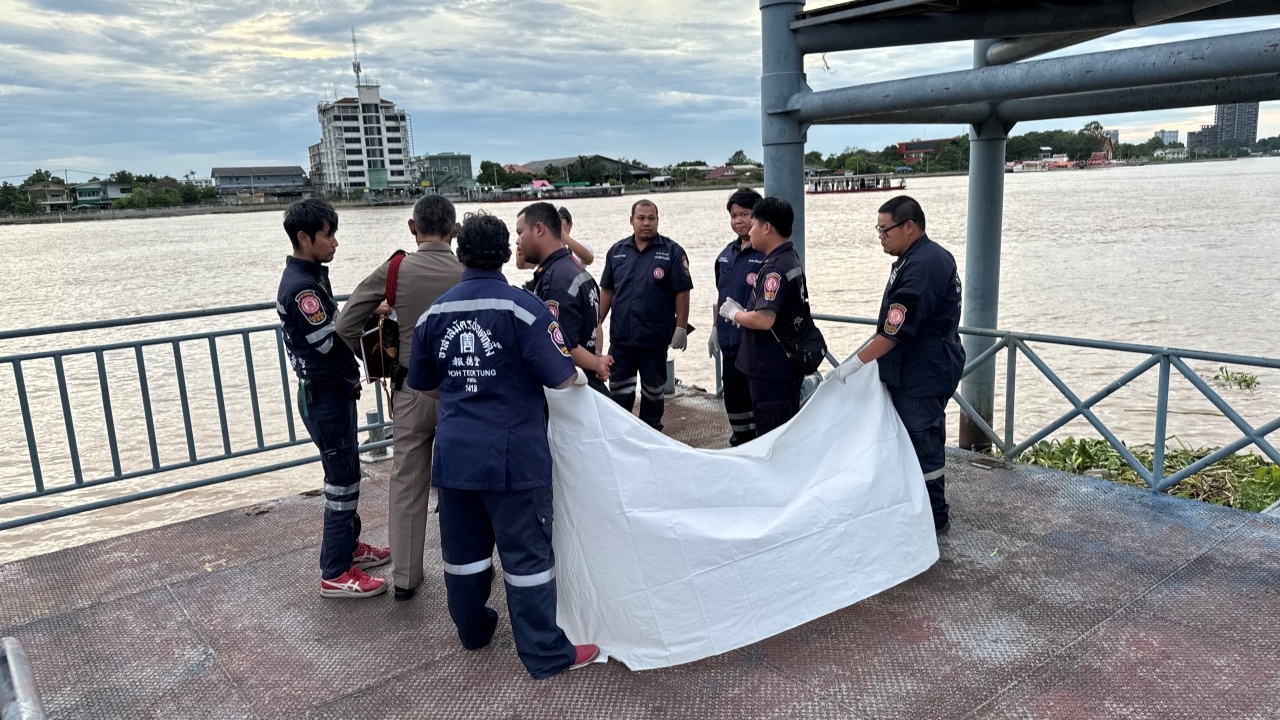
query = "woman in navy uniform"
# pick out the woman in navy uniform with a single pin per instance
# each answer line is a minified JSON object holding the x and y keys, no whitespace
{"x":736,"y":269}
{"x":777,"y":307}
{"x":646,"y":281}
{"x":328,"y":387}
{"x":564,"y":286}
{"x":486,"y":350}
{"x":918,"y":341}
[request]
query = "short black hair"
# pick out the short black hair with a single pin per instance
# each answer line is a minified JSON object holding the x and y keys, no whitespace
{"x":743,"y":198}
{"x":484,"y":242}
{"x":545,"y":213}
{"x":434,"y":215}
{"x":777,"y":212}
{"x":904,"y":208}
{"x":640,"y":202}
{"x":310,"y":216}
{"x":565,"y":215}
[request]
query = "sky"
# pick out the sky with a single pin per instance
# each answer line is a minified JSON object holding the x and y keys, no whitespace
{"x":169,"y":86}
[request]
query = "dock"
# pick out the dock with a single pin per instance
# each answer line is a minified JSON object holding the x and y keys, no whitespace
{"x":1056,"y":596}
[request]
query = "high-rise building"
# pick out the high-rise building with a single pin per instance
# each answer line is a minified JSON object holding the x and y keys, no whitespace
{"x":364,"y":143}
{"x":1206,"y":138}
{"x":1115,"y":138}
{"x":1238,"y":121}
{"x":1168,"y":137}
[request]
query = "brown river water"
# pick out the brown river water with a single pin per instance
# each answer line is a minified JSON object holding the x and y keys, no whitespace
{"x":1181,"y":256}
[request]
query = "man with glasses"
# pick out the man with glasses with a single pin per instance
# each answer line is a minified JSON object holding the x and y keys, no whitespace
{"x":917,"y":341}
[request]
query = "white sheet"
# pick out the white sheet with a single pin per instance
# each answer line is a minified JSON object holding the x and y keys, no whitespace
{"x":667,"y":554}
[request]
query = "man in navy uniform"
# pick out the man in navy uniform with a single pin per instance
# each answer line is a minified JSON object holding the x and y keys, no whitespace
{"x":778,"y":304}
{"x":646,"y":282}
{"x":736,"y":269}
{"x":486,"y":350}
{"x":567,"y":289}
{"x":328,"y":386}
{"x":917,"y":341}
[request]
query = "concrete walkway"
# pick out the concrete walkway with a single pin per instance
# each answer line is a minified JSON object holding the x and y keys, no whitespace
{"x":1056,"y":597}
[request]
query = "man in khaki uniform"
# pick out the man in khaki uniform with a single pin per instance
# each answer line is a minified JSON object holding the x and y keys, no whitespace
{"x":423,"y":277}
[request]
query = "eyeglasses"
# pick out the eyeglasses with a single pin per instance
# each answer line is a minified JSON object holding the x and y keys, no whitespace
{"x":885,"y":231}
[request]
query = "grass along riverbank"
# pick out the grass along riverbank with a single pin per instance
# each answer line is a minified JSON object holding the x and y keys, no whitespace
{"x":1242,"y":481}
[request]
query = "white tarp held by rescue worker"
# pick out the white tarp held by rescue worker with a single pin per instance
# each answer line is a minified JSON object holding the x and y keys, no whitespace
{"x":666,"y":554}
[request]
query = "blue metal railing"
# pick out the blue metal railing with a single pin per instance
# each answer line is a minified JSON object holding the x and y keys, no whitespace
{"x":1166,"y":359}
{"x":154,"y":463}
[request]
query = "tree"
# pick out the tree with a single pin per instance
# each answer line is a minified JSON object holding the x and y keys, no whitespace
{"x":890,"y":157}
{"x":740,"y":158}
{"x":123,"y":177}
{"x":40,"y":176}
{"x":691,"y":163}
{"x":9,"y":194}
{"x":813,"y":157}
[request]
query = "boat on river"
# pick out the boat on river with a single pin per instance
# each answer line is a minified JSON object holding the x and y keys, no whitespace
{"x":879,"y":182}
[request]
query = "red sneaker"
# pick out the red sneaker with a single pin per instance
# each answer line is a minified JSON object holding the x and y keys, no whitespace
{"x":368,"y":556}
{"x":586,"y":654}
{"x":354,"y":583}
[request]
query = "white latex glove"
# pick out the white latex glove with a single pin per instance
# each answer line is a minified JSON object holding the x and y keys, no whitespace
{"x":846,"y":369}
{"x":680,"y":339}
{"x":713,"y":342}
{"x":730,"y":308}
{"x":581,"y":378}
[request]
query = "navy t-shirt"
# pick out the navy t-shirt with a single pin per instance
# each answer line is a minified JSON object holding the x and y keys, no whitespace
{"x":645,"y":284}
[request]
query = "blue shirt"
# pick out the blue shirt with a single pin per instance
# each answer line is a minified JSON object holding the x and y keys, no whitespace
{"x":920,"y":311}
{"x":308,"y":314}
{"x":572,"y":296}
{"x":780,"y":289}
{"x":736,"y":270}
{"x":490,"y":349}
{"x":645,"y":284}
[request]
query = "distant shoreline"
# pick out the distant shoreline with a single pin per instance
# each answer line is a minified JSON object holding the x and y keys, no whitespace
{"x":351,"y":205}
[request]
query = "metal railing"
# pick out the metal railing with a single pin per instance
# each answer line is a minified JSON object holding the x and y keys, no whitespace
{"x":176,"y":351}
{"x":19,"y":698}
{"x":1164,"y":358}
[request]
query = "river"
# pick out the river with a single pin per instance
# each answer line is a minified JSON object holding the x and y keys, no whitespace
{"x":1178,"y":255}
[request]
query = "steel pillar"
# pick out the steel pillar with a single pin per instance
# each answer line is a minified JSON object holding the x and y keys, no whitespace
{"x":981,"y":294}
{"x":783,"y":133}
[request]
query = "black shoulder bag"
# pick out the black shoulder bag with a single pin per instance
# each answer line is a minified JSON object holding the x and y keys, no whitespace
{"x":805,"y":348}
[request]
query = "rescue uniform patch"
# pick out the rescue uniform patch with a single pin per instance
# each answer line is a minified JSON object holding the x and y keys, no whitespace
{"x":311,"y":307}
{"x":894,"y":318}
{"x":685,"y":261}
{"x":751,"y":279}
{"x":554,"y":307}
{"x":557,"y":338}
{"x":772,"y":282}
{"x":658,"y":273}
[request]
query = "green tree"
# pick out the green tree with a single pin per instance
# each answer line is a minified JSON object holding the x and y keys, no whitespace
{"x":208,"y":193}
{"x":190,"y":193}
{"x":9,"y":194}
{"x":740,"y":158}
{"x":121,"y":176}
{"x":813,"y":157}
{"x":40,"y":176}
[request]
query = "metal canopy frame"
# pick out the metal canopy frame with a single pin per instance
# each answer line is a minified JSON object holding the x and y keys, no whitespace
{"x":1002,"y":89}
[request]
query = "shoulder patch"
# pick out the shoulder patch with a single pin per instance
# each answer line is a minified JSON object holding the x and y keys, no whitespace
{"x":685,"y":261}
{"x":894,"y":318}
{"x":557,"y":338}
{"x":311,"y":307}
{"x":772,"y":282}
{"x":554,"y":307}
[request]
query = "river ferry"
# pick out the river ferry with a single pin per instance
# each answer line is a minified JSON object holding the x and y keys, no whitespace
{"x":879,"y":182}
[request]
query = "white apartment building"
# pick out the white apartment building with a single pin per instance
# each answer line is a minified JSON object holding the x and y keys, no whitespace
{"x":365,"y":144}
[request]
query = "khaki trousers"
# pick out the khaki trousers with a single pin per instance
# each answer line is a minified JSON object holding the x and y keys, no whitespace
{"x":410,"y":484}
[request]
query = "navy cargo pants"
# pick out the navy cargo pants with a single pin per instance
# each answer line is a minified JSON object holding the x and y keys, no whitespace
{"x":519,"y":521}
{"x":774,"y":401}
{"x":329,"y":412}
{"x":737,"y":398}
{"x":926,"y":421}
{"x":651,"y":363}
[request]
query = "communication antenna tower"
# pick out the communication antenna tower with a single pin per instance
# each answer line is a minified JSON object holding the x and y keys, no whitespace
{"x":355,"y":56}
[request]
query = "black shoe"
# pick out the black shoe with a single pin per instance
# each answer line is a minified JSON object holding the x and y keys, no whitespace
{"x":735,"y":439}
{"x":939,"y":531}
{"x":403,"y":594}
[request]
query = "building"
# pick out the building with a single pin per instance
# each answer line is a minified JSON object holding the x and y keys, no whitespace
{"x":50,"y":196}
{"x":286,"y":182}
{"x":446,"y":172}
{"x":613,"y":169}
{"x":1168,"y":137}
{"x":100,"y":193}
{"x":1169,"y":154}
{"x":726,"y":172}
{"x":365,"y":144}
{"x":914,"y":151}
{"x":1115,"y":138}
{"x":1206,"y":138}
{"x":1237,"y":122}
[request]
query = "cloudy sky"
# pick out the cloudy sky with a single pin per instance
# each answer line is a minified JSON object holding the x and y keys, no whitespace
{"x":167,"y":86}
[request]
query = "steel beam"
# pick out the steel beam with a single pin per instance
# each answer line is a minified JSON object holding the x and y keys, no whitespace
{"x":1252,"y":88}
{"x":1019,"y":21}
{"x":981,"y":294}
{"x":1251,"y":53}
{"x":783,"y":133}
{"x":1145,"y":12}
